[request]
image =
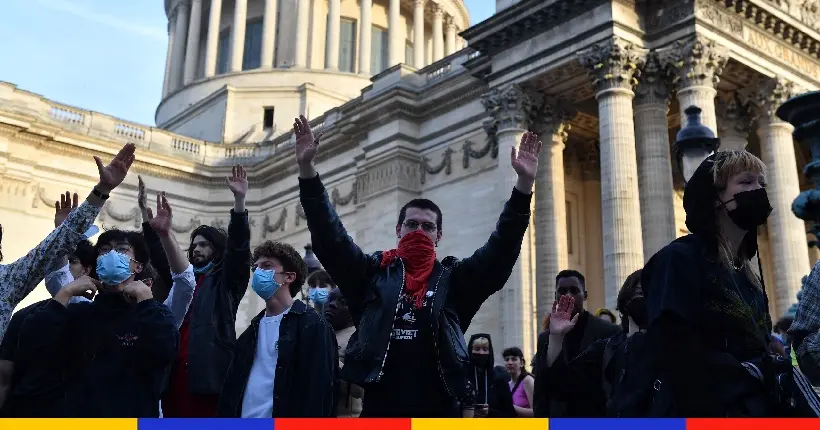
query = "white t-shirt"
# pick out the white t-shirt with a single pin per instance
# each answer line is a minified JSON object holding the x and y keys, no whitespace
{"x":258,"y":400}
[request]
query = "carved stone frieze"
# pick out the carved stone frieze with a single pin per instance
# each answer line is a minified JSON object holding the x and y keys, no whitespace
{"x":653,"y":85}
{"x":336,"y":201}
{"x":270,"y":227}
{"x":711,"y":12}
{"x":399,"y":171}
{"x":696,"y":61}
{"x":806,"y":11}
{"x":131,"y":215}
{"x":446,"y":164}
{"x":614,"y":63}
{"x":661,"y":15}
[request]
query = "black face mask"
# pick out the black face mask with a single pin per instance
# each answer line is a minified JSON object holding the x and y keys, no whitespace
{"x":479,"y":360}
{"x":753,"y":209}
{"x":636,"y":309}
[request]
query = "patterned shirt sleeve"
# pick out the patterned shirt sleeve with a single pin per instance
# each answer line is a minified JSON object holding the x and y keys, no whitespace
{"x":181,"y":294}
{"x":19,"y":278}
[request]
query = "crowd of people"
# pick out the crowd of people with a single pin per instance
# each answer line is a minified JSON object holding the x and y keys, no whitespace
{"x":138,"y":328}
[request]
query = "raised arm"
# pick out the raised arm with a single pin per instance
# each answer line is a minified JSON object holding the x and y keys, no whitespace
{"x":350,"y":268}
{"x":158,"y":258}
{"x":485,"y":272}
{"x":18,"y":279}
{"x":237,"y":259}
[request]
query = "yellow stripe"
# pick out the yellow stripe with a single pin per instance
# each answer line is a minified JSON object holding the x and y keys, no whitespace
{"x":66,"y":424}
{"x":480,"y":424}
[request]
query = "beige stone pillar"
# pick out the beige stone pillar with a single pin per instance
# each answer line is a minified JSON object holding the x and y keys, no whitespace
{"x":269,"y":34}
{"x":438,"y":32}
{"x":613,"y":65}
{"x":395,"y":42}
{"x":169,"y":55}
{"x":238,"y":34}
{"x":333,"y":28}
{"x":302,"y":32}
{"x":212,"y":44}
{"x":699,"y":62}
{"x":365,"y":36}
{"x":180,"y":39}
{"x":734,"y":122}
{"x":192,"y":51}
{"x":450,"y":36}
{"x":551,"y":122}
{"x":418,"y":34}
{"x":787,"y":233}
{"x":590,"y":161}
{"x":654,"y":160}
{"x":510,"y":108}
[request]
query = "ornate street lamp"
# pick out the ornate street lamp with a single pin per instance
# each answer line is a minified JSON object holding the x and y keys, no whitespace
{"x":694,"y":143}
{"x":803,"y":112}
{"x":312,"y":262}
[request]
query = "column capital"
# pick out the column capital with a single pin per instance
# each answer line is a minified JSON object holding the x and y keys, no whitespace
{"x":419,"y":3}
{"x":771,"y":94}
{"x":438,"y":11}
{"x":510,"y":107}
{"x":734,"y":116}
{"x":697,"y":62}
{"x":653,"y":85}
{"x":552,"y":117}
{"x":449,"y":22}
{"x":613,"y":63}
{"x":589,"y":155}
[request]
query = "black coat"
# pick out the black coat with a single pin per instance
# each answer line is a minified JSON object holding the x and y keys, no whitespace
{"x":546,"y":406}
{"x":306,"y":369}
{"x":490,"y":384}
{"x":372,"y":292}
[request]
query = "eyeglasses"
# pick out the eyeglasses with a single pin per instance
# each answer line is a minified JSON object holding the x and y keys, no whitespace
{"x":427,"y":226}
{"x":122,"y":249}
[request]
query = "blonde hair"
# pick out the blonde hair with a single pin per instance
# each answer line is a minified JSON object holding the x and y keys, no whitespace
{"x":726,"y":165}
{"x":481,"y":341}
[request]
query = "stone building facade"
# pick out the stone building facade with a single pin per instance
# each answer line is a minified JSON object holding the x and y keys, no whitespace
{"x":603,"y":82}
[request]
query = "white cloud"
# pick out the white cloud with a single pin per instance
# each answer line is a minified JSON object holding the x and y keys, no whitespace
{"x":105,"y":19}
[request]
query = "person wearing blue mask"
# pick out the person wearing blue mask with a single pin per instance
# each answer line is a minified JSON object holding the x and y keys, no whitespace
{"x":110,"y":354}
{"x":319,"y":285}
{"x":285,"y":363}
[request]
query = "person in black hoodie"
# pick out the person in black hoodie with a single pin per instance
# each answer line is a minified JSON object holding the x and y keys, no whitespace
{"x":493,"y":398}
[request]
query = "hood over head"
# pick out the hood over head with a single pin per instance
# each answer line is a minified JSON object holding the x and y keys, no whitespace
{"x":490,"y":360}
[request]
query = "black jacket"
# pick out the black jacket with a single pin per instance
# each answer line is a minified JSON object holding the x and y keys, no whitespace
{"x":306,"y":369}
{"x":490,"y":385}
{"x":372,"y":292}
{"x":546,"y":406}
{"x":113,"y":353}
{"x":212,"y":313}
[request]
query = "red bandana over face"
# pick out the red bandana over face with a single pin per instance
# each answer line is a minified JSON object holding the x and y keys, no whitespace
{"x":418,"y":253}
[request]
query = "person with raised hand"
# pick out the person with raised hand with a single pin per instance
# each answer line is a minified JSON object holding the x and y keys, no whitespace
{"x":161,"y":286}
{"x":410,"y":308}
{"x":19,"y":278}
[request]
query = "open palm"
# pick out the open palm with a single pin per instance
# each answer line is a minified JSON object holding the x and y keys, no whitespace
{"x":64,"y":207}
{"x":114,"y":173}
{"x":561,"y":319}
{"x":525,"y":161}
{"x":238,"y":182}
{"x":161,"y":222}
{"x":306,"y":143}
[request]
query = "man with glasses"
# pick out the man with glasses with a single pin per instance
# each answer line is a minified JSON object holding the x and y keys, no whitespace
{"x":410,"y":309}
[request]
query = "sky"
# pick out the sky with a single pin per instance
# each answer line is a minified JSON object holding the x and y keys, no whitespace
{"x":101,"y":55}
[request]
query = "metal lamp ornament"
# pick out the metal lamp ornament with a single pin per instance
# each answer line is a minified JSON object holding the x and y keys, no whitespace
{"x":803,"y":112}
{"x":694,"y":143}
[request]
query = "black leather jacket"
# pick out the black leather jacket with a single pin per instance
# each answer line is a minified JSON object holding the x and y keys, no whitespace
{"x":372,"y":292}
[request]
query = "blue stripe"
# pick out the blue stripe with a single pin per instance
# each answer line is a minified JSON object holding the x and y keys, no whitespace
{"x":616,"y":424}
{"x":204,"y":424}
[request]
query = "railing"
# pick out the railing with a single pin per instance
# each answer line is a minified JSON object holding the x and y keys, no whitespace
{"x":66,"y":115}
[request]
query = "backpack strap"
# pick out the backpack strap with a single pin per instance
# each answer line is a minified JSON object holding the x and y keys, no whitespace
{"x":609,"y":353}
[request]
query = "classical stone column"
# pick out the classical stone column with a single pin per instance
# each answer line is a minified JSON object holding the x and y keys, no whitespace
{"x":787,"y":233}
{"x":169,"y":55}
{"x":699,"y":62}
{"x":734,"y":122}
{"x":302,"y":27}
{"x":613,"y":65}
{"x":212,"y":44}
{"x":365,"y":36}
{"x":654,"y":160}
{"x":333,"y":27}
{"x":450,"y":31}
{"x":510,"y":110}
{"x":551,"y":122}
{"x":269,"y":34}
{"x":180,"y":38}
{"x":395,"y":41}
{"x":438,"y":32}
{"x":418,"y":34}
{"x":192,"y":51}
{"x":238,"y":34}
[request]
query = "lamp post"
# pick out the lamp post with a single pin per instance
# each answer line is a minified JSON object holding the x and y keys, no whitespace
{"x":803,"y":112}
{"x":312,"y":262}
{"x":694,"y":143}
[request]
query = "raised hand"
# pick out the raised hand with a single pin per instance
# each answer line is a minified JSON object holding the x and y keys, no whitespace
{"x":561,"y":319}
{"x":142,"y":200}
{"x":306,"y":143}
{"x":161,"y":223}
{"x":64,"y":207}
{"x":525,"y":160}
{"x":238,"y":181}
{"x":113,"y":174}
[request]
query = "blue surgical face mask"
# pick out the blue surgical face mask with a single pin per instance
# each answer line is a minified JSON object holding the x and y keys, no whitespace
{"x":318,"y":295}
{"x":263,"y":283}
{"x":203,"y":269}
{"x":113,"y":268}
